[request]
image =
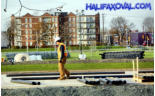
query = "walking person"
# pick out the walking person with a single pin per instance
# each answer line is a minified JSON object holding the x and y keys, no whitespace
{"x":62,"y":56}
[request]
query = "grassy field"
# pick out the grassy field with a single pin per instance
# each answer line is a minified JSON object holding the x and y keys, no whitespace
{"x":91,"y":54}
{"x":95,"y":54}
{"x":25,"y":50}
{"x":80,"y":66}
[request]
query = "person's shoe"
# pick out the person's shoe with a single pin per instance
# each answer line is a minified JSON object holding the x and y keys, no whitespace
{"x":67,"y":76}
{"x":61,"y":78}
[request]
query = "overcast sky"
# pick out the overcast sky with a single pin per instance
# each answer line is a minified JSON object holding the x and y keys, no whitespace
{"x":134,"y":16}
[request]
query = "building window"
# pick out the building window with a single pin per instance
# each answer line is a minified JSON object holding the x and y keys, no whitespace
{"x":41,"y":43}
{"x":30,"y":25}
{"x":56,"y":20}
{"x":18,"y":21}
{"x":47,"y":19}
{"x":70,"y":42}
{"x":19,"y":44}
{"x":31,"y":37}
{"x":25,"y":20}
{"x":30,"y":20}
{"x":52,"y":19}
{"x":40,"y":19}
{"x":73,"y":30}
{"x":82,"y":19}
{"x":26,"y":43}
{"x":31,"y":43}
{"x":56,"y":25}
{"x":26,"y":32}
{"x":56,"y":30}
{"x":73,"y":19}
{"x":70,"y":30}
{"x":26,"y":26}
{"x":48,"y":43}
{"x":70,"y":25}
{"x":69,"y":19}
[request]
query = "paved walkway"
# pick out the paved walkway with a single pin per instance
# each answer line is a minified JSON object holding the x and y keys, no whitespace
{"x":7,"y":84}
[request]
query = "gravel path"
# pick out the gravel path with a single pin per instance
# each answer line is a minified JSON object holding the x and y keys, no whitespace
{"x":104,"y":90}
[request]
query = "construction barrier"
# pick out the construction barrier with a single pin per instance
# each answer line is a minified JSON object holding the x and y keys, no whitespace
{"x":123,"y":55}
{"x":44,"y":55}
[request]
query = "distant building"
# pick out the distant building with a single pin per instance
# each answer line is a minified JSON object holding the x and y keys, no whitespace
{"x":89,"y":26}
{"x":27,"y":31}
{"x":4,"y":40}
{"x":27,"y":34}
{"x":141,"y":38}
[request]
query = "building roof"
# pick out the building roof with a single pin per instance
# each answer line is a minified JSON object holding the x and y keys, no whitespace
{"x":71,"y":14}
{"x":46,"y":14}
{"x":28,"y":15}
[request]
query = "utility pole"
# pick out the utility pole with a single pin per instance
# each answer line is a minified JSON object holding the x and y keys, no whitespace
{"x":27,"y":43}
{"x":79,"y":16}
{"x":103,"y":28}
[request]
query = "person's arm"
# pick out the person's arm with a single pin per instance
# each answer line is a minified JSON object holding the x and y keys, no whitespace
{"x":62,"y":52}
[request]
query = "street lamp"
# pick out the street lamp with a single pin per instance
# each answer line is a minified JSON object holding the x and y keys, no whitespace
{"x":126,"y":37}
{"x":79,"y":14}
{"x":121,"y":30}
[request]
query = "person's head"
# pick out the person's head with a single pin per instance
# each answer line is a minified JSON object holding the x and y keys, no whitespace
{"x":58,"y":40}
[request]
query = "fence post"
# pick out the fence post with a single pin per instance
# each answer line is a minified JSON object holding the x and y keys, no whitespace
{"x":137,"y":67}
{"x":133,"y":63}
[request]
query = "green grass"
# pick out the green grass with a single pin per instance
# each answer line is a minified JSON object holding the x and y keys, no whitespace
{"x":149,"y":54}
{"x":25,"y":50}
{"x":95,"y":54}
{"x":80,"y":66}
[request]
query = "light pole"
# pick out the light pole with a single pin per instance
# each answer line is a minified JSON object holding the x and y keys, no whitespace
{"x":79,"y":14}
{"x":121,"y":30}
{"x":126,"y":37}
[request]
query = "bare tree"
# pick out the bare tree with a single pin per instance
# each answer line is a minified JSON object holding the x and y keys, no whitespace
{"x":44,"y":33}
{"x":47,"y":32}
{"x":11,"y":33}
{"x":148,"y":24}
{"x":121,"y":27}
{"x":65,"y":32}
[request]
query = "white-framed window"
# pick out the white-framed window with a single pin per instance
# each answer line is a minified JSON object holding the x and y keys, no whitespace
{"x":73,"y":30}
{"x":19,"y":44}
{"x":25,"y":20}
{"x":27,"y":37}
{"x":56,"y":25}
{"x":30,"y":20}
{"x":56,"y":30}
{"x":47,"y":19}
{"x":69,"y":19}
{"x":41,"y":43}
{"x":26,"y":26}
{"x":49,"y":43}
{"x":56,"y":20}
{"x":26,"y":32}
{"x":31,"y":37}
{"x":31,"y":43}
{"x":30,"y":31}
{"x":52,"y":19}
{"x":27,"y":43}
{"x":70,"y":42}
{"x":40,"y":19}
{"x":30,"y":25}
{"x":73,"y":19}
{"x":18,"y":21}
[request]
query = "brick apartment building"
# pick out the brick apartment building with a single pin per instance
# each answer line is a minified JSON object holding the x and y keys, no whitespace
{"x":27,"y":33}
